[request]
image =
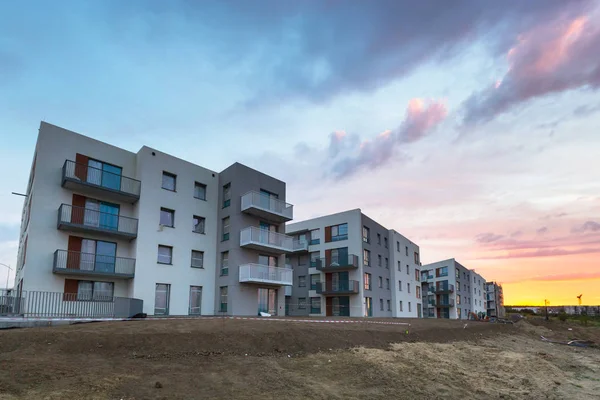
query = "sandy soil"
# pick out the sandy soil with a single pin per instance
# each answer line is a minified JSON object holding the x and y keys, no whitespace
{"x":204,"y":359}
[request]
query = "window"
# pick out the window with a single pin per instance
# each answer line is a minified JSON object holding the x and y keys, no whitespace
{"x":416,"y":258}
{"x":379,"y":239}
{"x":302,"y":281}
{"x":165,"y":254}
{"x":443,"y":271}
{"x":315,"y":305}
{"x":223,"y":299}
{"x":314,"y":237}
{"x":225,"y":228}
{"x":339,"y":232}
{"x":408,"y":287}
{"x":400,"y":286}
{"x":225,"y":263}
{"x":301,"y":303}
{"x":387,"y":263}
{"x":169,"y":181}
{"x":457,"y":274}
{"x":399,"y":266}
{"x":97,"y":291}
{"x":409,"y":309}
{"x":407,"y":269}
{"x":465,"y":287}
{"x":385,"y":243}
{"x":162,"y":296}
{"x":379,"y":260}
{"x":389,"y":306}
{"x":457,"y":285}
{"x":314,"y":279}
{"x":387,"y":283}
{"x":458,"y":299}
{"x":401,"y":306}
{"x":195,"y":307}
{"x":199,"y":191}
{"x":417,"y":275}
{"x":167,"y":217}
{"x":418,"y":291}
{"x":380,"y":282}
{"x":366,"y":257}
{"x":199,"y":223}
{"x":197,"y":259}
{"x":367,"y":281}
{"x":226,"y":195}
{"x":302,"y":259}
{"x":406,"y":249}
{"x":398,"y":247}
{"x":366,"y":235}
{"x":381,"y":304}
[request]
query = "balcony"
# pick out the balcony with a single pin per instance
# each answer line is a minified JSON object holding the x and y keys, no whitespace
{"x":299,"y":245}
{"x":89,"y":264}
{"x":328,"y":288}
{"x":431,"y":303}
{"x":265,"y":274}
{"x":265,"y":240}
{"x":445,"y":303}
{"x":97,"y":182}
{"x":81,"y":219}
{"x":341,"y":263}
{"x":267,"y":207}
{"x":443,"y":289}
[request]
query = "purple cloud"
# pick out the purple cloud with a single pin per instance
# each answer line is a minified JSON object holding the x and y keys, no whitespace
{"x":542,"y":230}
{"x":589,"y":226}
{"x":488,"y":237}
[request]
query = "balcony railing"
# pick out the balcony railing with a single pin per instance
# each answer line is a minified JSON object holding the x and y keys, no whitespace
{"x":445,"y":303}
{"x":339,"y":287}
{"x":85,"y":219}
{"x":90,"y":264}
{"x":443,"y":288}
{"x":300,"y":245}
{"x":340,"y":263}
{"x":431,"y":303}
{"x":267,"y":207}
{"x":263,"y":239}
{"x":95,"y":180}
{"x":258,"y":273}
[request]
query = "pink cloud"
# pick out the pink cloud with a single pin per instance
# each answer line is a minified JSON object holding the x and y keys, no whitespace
{"x":553,"y":252}
{"x":588,"y":226}
{"x":560,"y":277}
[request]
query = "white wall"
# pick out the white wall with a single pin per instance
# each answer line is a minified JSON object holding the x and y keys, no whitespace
{"x":478,"y":293}
{"x":404,"y":295}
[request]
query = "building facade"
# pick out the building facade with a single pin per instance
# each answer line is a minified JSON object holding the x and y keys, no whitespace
{"x":494,"y":300}
{"x":353,"y":267}
{"x":101,"y":222}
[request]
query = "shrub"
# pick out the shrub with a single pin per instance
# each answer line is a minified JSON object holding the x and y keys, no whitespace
{"x":562,"y":316}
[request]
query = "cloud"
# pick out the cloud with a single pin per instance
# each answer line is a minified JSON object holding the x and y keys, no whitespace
{"x":542,"y":230}
{"x":590,"y":226}
{"x":488,"y":237}
{"x":543,"y":253}
{"x":516,"y":234}
{"x":584,"y":111}
{"x":558,"y":55}
{"x":420,"y":119}
{"x":560,"y":277}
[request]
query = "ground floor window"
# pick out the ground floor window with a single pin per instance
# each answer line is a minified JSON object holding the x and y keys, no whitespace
{"x":161,"y":299}
{"x":267,"y":301}
{"x":223,"y":299}
{"x":315,"y":305}
{"x":88,"y":290}
{"x":195,"y":307}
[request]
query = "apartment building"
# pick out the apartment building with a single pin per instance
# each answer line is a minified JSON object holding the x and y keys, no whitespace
{"x":478,"y":294}
{"x":494,"y":300}
{"x":353,"y":266}
{"x":100,"y":222}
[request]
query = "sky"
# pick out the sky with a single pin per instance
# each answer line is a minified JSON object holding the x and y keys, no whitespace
{"x":471,"y":127}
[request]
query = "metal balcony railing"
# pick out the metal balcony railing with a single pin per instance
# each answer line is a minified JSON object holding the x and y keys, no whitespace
{"x":78,"y":263}
{"x":300,"y":245}
{"x":444,"y":288}
{"x":99,"y":178}
{"x":339,"y":287}
{"x":348,"y":261}
{"x":94,"y":220}
{"x":259,"y":203}
{"x":445,"y":303}
{"x":259,"y":273}
{"x":254,"y":237}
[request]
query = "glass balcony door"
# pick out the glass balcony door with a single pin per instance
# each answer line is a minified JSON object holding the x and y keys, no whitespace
{"x":267,"y":301}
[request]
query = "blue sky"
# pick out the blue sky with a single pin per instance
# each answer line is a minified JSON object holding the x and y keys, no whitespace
{"x":459,"y":125}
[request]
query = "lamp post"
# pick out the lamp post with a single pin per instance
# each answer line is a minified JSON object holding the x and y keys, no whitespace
{"x":7,"y":274}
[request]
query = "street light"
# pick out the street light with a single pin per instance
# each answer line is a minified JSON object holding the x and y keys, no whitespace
{"x":7,"y":275}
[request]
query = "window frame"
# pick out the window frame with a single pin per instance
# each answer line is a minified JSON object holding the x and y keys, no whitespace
{"x":170,"y":254}
{"x":226,"y":191}
{"x":367,"y":281}
{"x":225,"y":235}
{"x":301,"y":280}
{"x":169,"y":175}
{"x":169,"y":211}
{"x":196,"y":258}
{"x":224,"y":270}
{"x":201,"y":185}
{"x":201,"y":221}
{"x":366,"y":234}
{"x":301,"y":303}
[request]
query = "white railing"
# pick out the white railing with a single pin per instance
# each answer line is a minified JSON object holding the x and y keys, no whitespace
{"x":267,"y":203}
{"x":300,"y":245}
{"x":265,"y":274}
{"x":264,"y":237}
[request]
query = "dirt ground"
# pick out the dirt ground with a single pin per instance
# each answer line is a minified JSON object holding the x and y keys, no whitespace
{"x":225,"y":359}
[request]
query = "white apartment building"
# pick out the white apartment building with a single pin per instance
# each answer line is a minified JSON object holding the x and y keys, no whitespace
{"x":100,"y":222}
{"x":478,"y":294}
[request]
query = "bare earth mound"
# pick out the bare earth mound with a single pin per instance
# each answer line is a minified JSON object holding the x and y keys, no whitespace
{"x":214,"y":358}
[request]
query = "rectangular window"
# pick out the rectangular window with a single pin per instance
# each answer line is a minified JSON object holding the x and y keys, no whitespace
{"x":167,"y":217}
{"x":417,"y":275}
{"x":162,"y":296}
{"x":169,"y":181}
{"x":195,"y":307}
{"x":389,"y":305}
{"x":314,"y":279}
{"x":301,"y":303}
{"x":197,"y":259}
{"x":314,"y":237}
{"x":226,"y":195}
{"x":199,"y":223}
{"x":225,"y":229}
{"x":387,"y":283}
{"x":366,"y":258}
{"x":400,"y":285}
{"x":418,"y":291}
{"x":385,"y":243}
{"x":399,"y":266}
{"x":379,"y":239}
{"x":387,"y":263}
{"x":303,"y":259}
{"x":302,"y":281}
{"x":458,"y":299}
{"x":225,"y":263}
{"x":366,"y":234}
{"x":223,"y":299}
{"x":401,"y":306}
{"x":199,"y":191}
{"x":97,"y":291}
{"x":165,"y":254}
{"x":406,"y":249}
{"x":416,"y":258}
{"x":315,"y":305}
{"x":381,"y":304}
{"x":408,"y":287}
{"x":379,"y":260}
{"x":314,"y":257}
{"x":409,"y":308}
{"x":339,"y":232}
{"x":380,"y":282}
{"x":367,"y":281}
{"x":407,"y":269}
{"x":398,"y":247}
{"x":457,"y":274}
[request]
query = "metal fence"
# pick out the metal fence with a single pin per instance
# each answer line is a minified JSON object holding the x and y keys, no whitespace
{"x":39,"y":304}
